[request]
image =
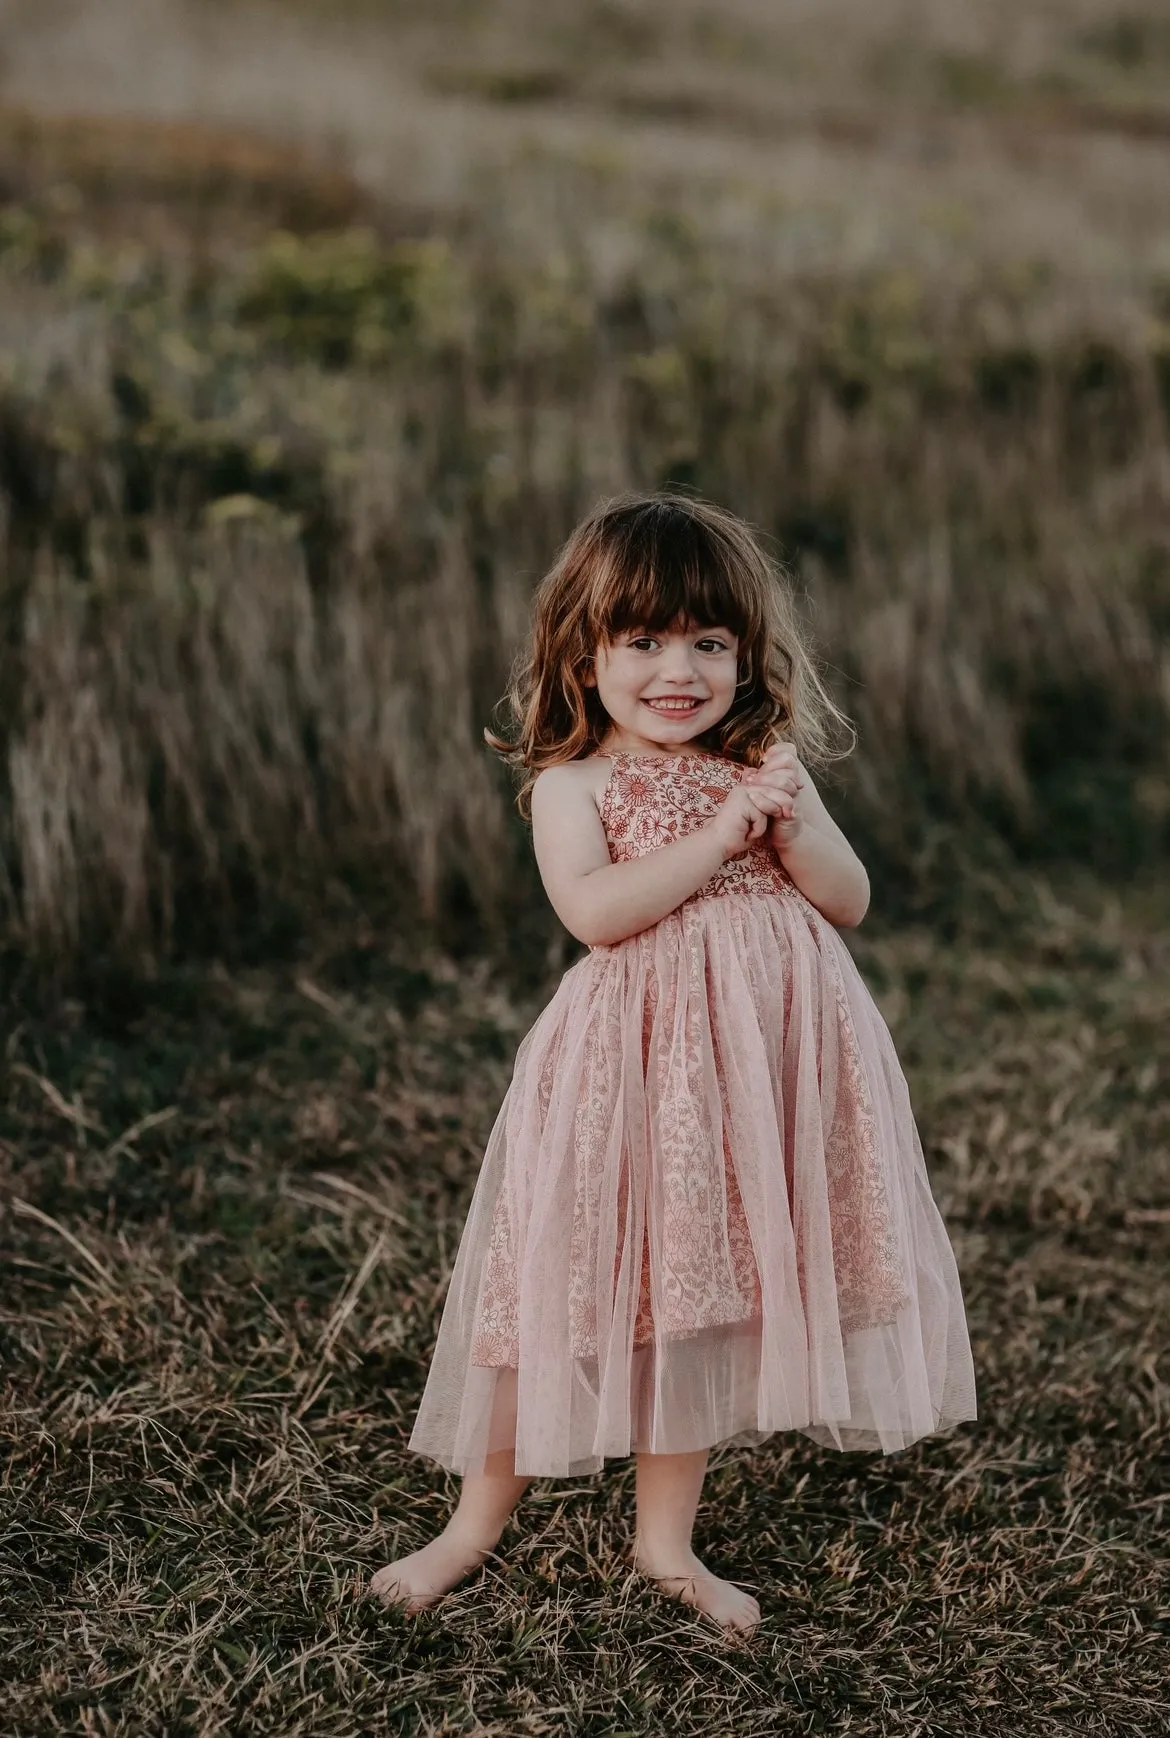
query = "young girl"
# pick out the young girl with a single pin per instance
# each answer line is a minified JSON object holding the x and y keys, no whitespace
{"x":703,"y":1214}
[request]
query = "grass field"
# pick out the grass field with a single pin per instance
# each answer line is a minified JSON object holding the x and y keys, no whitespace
{"x":319,"y":326}
{"x":230,"y":1206}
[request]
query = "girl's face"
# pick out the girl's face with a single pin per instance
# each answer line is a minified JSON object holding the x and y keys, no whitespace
{"x":662,"y":688}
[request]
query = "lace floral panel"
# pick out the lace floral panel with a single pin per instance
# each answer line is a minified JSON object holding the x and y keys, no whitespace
{"x":648,"y":803}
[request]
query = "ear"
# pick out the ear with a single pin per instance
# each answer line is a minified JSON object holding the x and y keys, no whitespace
{"x":589,"y":675}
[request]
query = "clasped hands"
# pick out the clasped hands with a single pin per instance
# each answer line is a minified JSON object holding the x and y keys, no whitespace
{"x":775,"y":787}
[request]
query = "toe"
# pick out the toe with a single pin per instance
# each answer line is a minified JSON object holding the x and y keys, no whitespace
{"x":387,"y":1585}
{"x":747,"y":1614}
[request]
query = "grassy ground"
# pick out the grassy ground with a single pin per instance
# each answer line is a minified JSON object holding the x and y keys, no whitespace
{"x":231,"y":1201}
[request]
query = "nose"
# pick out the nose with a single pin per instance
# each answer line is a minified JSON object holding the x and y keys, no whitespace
{"x":678,"y":663}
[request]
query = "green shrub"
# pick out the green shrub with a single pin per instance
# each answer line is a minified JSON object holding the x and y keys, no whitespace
{"x":341,"y":299}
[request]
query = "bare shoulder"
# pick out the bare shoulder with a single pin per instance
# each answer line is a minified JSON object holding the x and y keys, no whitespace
{"x":567,"y":833}
{"x":558,"y":789}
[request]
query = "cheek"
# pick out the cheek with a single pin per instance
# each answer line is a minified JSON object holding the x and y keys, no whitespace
{"x":617,"y":671}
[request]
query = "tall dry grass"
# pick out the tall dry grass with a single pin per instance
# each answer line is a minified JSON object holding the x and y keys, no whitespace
{"x":261,"y":592}
{"x":283,"y":450}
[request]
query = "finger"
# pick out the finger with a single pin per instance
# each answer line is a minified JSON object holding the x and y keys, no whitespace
{"x":776,"y":790}
{"x":788,"y":769}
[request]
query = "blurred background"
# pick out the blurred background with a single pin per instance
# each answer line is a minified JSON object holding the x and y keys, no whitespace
{"x":320,"y":326}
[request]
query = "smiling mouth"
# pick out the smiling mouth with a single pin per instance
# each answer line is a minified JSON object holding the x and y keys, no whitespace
{"x":682,"y":705}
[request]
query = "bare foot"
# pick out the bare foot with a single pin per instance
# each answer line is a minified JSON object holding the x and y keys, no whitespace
{"x":683,"y":1576}
{"x":422,"y":1578}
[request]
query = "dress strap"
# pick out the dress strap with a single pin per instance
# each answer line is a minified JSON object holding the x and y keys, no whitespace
{"x":628,"y":757}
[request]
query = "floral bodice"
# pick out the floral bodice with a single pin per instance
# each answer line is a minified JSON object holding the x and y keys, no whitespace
{"x":652,"y":800}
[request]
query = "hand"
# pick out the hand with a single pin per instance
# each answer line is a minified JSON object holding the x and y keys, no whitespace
{"x":762,"y":798}
{"x":780,"y":772}
{"x":740,"y":823}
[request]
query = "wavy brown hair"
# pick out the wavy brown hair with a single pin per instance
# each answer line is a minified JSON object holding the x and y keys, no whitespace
{"x":650,"y":561}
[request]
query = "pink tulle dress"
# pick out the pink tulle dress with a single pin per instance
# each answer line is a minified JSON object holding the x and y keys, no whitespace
{"x":703,"y":1213}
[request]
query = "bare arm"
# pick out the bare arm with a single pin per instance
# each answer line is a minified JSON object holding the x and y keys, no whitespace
{"x":601,"y":902}
{"x":829,"y":873}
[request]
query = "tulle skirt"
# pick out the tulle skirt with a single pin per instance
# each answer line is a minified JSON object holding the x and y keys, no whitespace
{"x":703,"y":1215}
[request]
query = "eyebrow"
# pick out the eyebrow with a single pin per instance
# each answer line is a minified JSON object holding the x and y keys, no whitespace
{"x":697,"y":632}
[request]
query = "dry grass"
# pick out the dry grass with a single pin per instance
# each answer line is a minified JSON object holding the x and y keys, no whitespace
{"x":274,"y":519}
{"x":231,"y":1203}
{"x":170,"y":185}
{"x":937,"y":133}
{"x":277,"y":487}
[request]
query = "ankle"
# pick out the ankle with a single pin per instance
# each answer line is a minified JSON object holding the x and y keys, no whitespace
{"x":660,"y":1545}
{"x":472,"y":1533}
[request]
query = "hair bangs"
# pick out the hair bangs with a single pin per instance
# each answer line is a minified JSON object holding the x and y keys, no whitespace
{"x":668,"y":569}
